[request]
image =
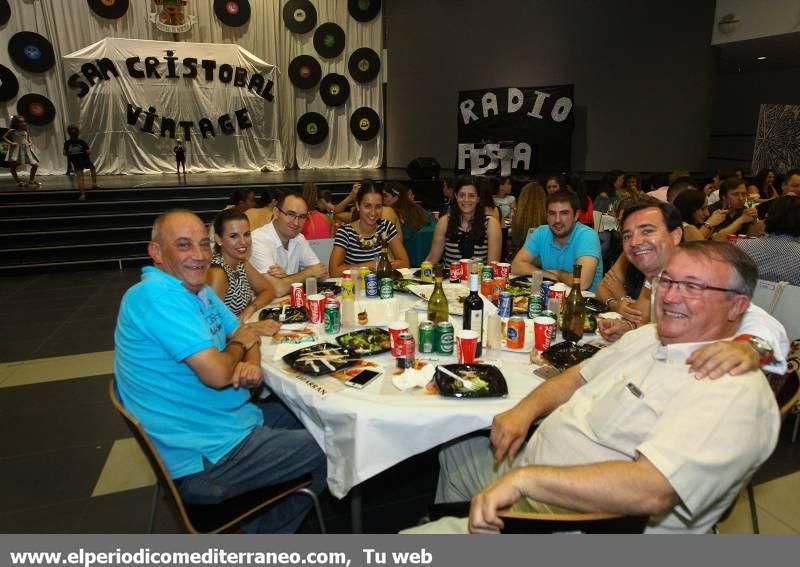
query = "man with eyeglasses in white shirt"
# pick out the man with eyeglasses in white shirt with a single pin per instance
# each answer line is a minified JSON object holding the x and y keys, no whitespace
{"x":280,"y":252}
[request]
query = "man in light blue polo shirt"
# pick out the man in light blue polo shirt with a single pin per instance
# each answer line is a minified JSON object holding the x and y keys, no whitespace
{"x":554,"y":249}
{"x":183,"y":364}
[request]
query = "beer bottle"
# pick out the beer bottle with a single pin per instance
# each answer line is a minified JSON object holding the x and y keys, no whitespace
{"x":384,"y":269}
{"x":438,"y":309}
{"x":574,"y":309}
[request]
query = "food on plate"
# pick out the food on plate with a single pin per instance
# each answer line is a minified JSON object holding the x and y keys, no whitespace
{"x":403,"y":284}
{"x":320,"y":359}
{"x":286,"y":336}
{"x":473,"y":376}
{"x":366,"y":341}
{"x":284,"y":314}
{"x":363,"y":317}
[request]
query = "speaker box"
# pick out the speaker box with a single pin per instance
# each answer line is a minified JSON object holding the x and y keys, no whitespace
{"x":423,"y":168}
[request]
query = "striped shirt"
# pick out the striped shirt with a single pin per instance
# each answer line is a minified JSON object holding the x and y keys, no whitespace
{"x":464,"y":247}
{"x":239,"y":294}
{"x":359,"y":249}
{"x":777,"y":257}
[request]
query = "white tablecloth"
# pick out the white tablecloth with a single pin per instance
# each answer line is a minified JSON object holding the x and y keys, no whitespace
{"x":364,"y":432}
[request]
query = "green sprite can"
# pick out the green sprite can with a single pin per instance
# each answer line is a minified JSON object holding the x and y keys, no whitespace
{"x":445,"y":337}
{"x":427,"y":337}
{"x":387,"y":288}
{"x":534,"y":305}
{"x":332,"y":317}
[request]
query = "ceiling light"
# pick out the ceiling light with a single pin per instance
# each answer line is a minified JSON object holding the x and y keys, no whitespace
{"x":761,"y":58}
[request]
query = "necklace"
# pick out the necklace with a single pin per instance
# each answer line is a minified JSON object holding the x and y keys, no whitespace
{"x":370,"y":241}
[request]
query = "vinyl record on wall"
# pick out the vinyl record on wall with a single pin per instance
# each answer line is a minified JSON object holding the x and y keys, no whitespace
{"x":329,"y":40}
{"x":31,"y":51}
{"x":364,"y":10}
{"x":312,"y":128}
{"x":110,"y":9}
{"x":304,"y":72}
{"x":36,"y":109}
{"x":9,"y":86}
{"x":365,"y":124}
{"x":364,"y":65}
{"x":5,"y":12}
{"x":334,"y":89}
{"x":232,"y":13}
{"x":300,"y":16}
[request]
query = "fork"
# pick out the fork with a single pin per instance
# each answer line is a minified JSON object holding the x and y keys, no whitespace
{"x":466,"y":383}
{"x":282,"y":316}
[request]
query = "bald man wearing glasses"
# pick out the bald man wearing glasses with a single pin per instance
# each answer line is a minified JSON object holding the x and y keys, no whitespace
{"x":280,"y":252}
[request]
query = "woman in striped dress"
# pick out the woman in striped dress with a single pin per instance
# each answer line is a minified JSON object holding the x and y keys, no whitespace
{"x":358,"y":243}
{"x":235,"y":281}
{"x":466,"y":232}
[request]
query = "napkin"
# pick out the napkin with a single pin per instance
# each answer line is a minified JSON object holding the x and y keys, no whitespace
{"x":413,"y":378}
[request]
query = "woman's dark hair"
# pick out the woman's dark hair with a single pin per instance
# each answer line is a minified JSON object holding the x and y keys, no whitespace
{"x":270,"y":194}
{"x":412,"y":215}
{"x":14,"y":122}
{"x":575,"y":182}
{"x":72,"y":128}
{"x":557,"y":178}
{"x":367,"y":187}
{"x":688,"y":203}
{"x":239,"y":195}
{"x":761,"y":179}
{"x":608,"y":182}
{"x":225,"y":217}
{"x":487,"y":188}
{"x":477,"y":231}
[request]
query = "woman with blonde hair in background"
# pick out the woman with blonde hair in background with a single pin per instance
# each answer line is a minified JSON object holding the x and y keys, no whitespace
{"x":531,"y":212}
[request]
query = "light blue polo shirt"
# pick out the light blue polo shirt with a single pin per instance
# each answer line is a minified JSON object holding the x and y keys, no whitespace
{"x":582,"y":242}
{"x":160,"y":324}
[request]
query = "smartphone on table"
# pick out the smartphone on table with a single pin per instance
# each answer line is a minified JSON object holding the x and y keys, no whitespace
{"x":363,"y":378}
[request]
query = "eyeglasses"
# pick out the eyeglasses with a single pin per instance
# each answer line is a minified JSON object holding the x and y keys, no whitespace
{"x":688,"y":289}
{"x":293,"y":215}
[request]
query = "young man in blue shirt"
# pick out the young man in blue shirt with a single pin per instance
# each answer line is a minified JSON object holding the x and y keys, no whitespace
{"x":554,"y":249}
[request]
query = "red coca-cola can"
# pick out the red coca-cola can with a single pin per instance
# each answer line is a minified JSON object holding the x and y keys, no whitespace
{"x":298,"y":297}
{"x":465,"y":266}
{"x":455,"y":273}
{"x":406,"y":350}
{"x":732,"y":238}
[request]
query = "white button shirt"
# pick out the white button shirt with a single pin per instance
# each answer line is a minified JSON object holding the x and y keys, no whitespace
{"x":268,"y":250}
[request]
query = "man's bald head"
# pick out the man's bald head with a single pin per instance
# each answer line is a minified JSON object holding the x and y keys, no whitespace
{"x":181,"y":248}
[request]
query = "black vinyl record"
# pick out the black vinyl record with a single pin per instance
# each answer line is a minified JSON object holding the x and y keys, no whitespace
{"x":9,"y":86}
{"x":300,"y":16}
{"x":312,"y":128}
{"x":36,"y":109}
{"x":334,"y":89}
{"x":364,"y":65}
{"x":5,"y":12}
{"x":233,"y":13}
{"x":304,"y":72}
{"x":365,"y":123}
{"x":364,"y":10}
{"x":329,"y":40}
{"x":110,"y":9}
{"x":31,"y":51}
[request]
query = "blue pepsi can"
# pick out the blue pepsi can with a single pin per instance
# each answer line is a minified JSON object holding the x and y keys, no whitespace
{"x":546,"y":293}
{"x":371,"y":285}
{"x":505,"y":304}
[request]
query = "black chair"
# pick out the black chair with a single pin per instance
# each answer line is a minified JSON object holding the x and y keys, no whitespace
{"x":213,"y":518}
{"x":530,"y":523}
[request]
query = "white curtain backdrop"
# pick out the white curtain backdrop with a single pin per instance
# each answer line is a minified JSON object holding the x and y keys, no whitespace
{"x":70,"y":25}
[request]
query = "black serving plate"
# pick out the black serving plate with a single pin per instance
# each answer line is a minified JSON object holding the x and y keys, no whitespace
{"x":450,"y":387}
{"x":565,"y":354}
{"x":292,"y":359}
{"x":594,"y":305}
{"x":293,"y":314}
{"x":366,"y":342}
{"x":329,"y":286}
{"x":401,"y":285}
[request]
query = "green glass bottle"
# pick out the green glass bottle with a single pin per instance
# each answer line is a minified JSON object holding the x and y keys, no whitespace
{"x":438,"y":309}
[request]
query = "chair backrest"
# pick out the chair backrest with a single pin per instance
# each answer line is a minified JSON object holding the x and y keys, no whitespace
{"x":530,"y":523}
{"x":782,"y":301}
{"x":322,"y":247}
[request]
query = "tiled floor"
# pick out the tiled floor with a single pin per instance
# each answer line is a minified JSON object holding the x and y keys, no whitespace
{"x":68,"y":462}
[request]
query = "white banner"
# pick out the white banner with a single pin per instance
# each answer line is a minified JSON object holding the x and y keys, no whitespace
{"x":135,"y":97}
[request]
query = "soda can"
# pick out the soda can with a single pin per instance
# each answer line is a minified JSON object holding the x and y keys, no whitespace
{"x":515,"y":333}
{"x":371,"y":285}
{"x":732,"y":238}
{"x":499,"y":284}
{"x":333,"y":319}
{"x":298,"y":297}
{"x":465,"y":267}
{"x":426,"y":271}
{"x":505,"y":304}
{"x":534,"y":306}
{"x":386,"y":288}
{"x":477,"y":267}
{"x":455,"y":273}
{"x":427,"y":337}
{"x":487,"y":288}
{"x":487,"y":273}
{"x":362,"y":273}
{"x":348,"y":288}
{"x":546,"y":292}
{"x":445,"y":337}
{"x":495,"y":271}
{"x":406,"y":348}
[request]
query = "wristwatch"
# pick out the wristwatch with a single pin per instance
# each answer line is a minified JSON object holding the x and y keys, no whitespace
{"x":762,"y":348}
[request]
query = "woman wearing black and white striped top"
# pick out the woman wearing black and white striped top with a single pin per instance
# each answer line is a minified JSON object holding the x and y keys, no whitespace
{"x":359,"y":243}
{"x":466,"y":232}
{"x":235,"y":281}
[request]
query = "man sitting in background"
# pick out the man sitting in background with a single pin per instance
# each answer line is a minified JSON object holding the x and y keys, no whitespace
{"x":280,"y":252}
{"x":631,"y":431}
{"x":740,"y":219}
{"x":183,"y":364}
{"x":778,"y":255}
{"x":554,"y":249}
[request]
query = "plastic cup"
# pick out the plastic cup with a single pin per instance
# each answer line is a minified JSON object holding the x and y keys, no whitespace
{"x":315,"y":305}
{"x":395,"y":329}
{"x":311,"y":286}
{"x":502,"y":270}
{"x":544,"y":328}
{"x":467,"y":341}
